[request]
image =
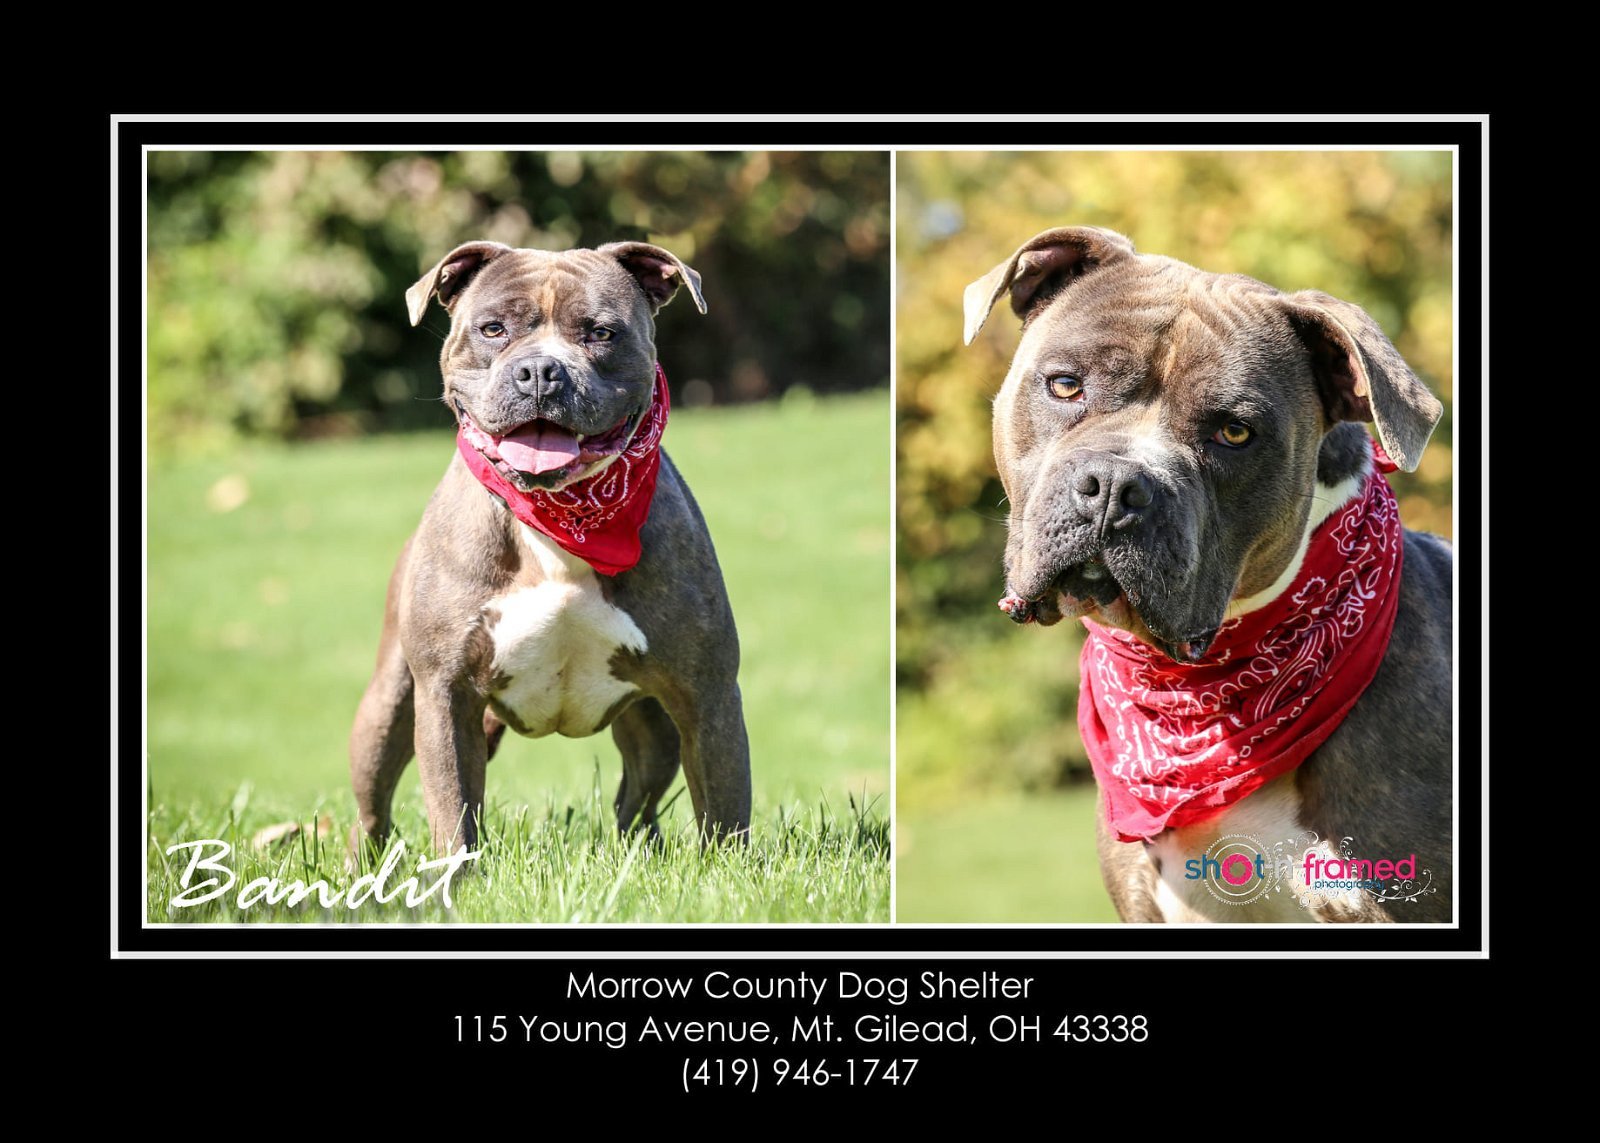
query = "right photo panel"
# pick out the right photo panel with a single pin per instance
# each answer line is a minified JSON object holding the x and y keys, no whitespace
{"x":1174,"y":571}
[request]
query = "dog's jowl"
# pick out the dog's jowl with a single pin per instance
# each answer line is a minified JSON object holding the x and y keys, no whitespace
{"x":1265,"y":686}
{"x":562,"y":579}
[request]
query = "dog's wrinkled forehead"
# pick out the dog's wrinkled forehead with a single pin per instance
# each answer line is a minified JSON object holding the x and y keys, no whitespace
{"x":1153,"y":319}
{"x":555,"y":287}
{"x":623,"y":275}
{"x":1148,"y":298}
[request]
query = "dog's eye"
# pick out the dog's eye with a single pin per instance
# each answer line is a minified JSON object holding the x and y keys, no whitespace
{"x":1066,"y":388}
{"x":601,"y":333}
{"x":492,"y":329}
{"x":1234,"y":434}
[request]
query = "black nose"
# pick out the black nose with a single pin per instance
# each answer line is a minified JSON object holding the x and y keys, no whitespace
{"x":537,"y":375}
{"x":1111,"y":490}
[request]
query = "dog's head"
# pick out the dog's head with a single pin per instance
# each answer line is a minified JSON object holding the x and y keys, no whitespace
{"x":1161,"y":430}
{"x":550,"y":360}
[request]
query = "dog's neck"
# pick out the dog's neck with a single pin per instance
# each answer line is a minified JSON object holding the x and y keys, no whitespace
{"x":1174,"y":744}
{"x":1326,"y":499}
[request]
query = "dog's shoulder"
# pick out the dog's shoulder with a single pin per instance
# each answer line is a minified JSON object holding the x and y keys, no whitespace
{"x":1427,"y":587}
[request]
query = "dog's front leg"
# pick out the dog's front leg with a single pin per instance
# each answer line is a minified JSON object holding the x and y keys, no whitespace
{"x":452,"y":752}
{"x":1131,"y":877}
{"x":716,"y":760}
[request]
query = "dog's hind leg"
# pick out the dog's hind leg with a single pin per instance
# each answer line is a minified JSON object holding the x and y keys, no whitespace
{"x":381,"y":744}
{"x":648,"y":741}
{"x":381,"y":741}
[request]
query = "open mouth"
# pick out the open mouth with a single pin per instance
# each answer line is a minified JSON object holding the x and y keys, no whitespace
{"x":542,"y":453}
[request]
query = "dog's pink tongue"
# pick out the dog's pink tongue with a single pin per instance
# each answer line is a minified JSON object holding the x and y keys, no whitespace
{"x":539,"y":447}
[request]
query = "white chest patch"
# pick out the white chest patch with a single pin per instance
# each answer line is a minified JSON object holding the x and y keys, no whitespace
{"x":553,"y":645}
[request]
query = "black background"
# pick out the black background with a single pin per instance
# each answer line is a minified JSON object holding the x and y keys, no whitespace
{"x":398,"y":1013}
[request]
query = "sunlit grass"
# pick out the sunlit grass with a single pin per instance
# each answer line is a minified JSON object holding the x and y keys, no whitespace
{"x":267,"y":571}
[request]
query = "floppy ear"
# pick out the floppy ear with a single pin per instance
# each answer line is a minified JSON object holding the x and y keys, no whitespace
{"x":1362,"y":376}
{"x":1053,"y":256}
{"x":660,"y":272}
{"x":449,"y":274}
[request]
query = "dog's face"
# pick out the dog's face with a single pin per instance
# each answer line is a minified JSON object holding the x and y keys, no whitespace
{"x":550,"y":361}
{"x":1160,"y":430}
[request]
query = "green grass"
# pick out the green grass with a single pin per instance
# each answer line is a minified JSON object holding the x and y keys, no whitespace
{"x":1009,"y":857}
{"x":987,"y":828}
{"x":264,"y":618}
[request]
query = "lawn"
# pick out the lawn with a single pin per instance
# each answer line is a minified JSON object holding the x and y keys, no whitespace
{"x":267,"y":570}
{"x":1002,"y":857}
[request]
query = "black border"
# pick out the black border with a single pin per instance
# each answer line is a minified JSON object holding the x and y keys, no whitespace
{"x":127,"y":931}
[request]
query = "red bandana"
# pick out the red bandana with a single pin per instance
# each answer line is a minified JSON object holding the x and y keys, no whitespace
{"x":596,"y":519}
{"x":1176,"y":743}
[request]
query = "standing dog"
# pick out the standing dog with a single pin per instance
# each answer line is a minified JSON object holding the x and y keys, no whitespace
{"x":1260,"y":682}
{"x":562,"y":579}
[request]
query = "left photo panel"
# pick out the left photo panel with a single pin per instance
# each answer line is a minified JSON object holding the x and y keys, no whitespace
{"x":518,"y":537}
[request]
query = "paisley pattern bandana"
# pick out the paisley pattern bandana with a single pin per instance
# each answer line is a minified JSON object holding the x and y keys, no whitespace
{"x":1173,"y":744}
{"x":596,"y":519}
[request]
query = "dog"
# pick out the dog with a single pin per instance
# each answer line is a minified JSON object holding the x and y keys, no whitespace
{"x":546,"y":587}
{"x":1265,"y":698}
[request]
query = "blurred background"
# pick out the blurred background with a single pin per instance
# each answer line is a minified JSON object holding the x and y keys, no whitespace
{"x":277,"y":279}
{"x":296,"y":433}
{"x":995,"y":802}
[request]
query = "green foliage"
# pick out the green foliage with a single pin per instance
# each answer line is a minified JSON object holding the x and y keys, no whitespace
{"x":267,"y":571}
{"x":986,"y":706}
{"x":276,"y":279}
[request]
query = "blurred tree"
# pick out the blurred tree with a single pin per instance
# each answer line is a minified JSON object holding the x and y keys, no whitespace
{"x":276,"y":279}
{"x":981,"y":702}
